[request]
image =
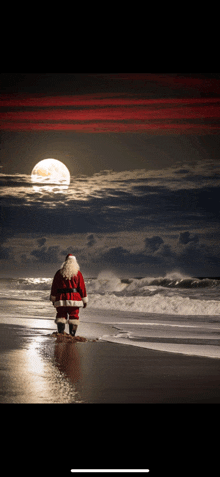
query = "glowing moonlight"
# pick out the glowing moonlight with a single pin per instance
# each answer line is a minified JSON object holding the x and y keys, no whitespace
{"x":50,"y":171}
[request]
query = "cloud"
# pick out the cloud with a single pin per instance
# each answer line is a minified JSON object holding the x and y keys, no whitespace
{"x":116,"y":255}
{"x":153,"y":244}
{"x":197,"y":258}
{"x":112,"y":185}
{"x":113,"y":202}
{"x":119,"y":257}
{"x":106,"y":113}
{"x":5,"y":252}
{"x":41,"y":241}
{"x":91,"y":240}
{"x":185,"y":238}
{"x":47,"y":255}
{"x":128,"y":255}
{"x":171,"y":207}
{"x":160,"y":257}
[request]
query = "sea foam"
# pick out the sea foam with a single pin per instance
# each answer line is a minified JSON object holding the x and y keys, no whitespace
{"x":173,"y":294}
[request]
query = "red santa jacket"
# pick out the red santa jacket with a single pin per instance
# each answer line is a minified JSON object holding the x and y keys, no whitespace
{"x":60,"y":297}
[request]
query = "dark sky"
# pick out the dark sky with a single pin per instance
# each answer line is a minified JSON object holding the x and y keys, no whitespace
{"x":143,"y":154}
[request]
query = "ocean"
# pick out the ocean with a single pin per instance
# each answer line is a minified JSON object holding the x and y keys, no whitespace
{"x":174,"y":314}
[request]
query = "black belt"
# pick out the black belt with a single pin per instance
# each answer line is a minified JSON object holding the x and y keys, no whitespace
{"x":67,"y":290}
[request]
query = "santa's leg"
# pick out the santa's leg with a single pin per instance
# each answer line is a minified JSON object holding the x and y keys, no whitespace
{"x":60,"y":327}
{"x":61,"y":318}
{"x":72,"y":329}
{"x":73,"y":320}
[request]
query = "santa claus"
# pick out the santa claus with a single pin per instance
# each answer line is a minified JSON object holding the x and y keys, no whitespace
{"x":68,"y":294}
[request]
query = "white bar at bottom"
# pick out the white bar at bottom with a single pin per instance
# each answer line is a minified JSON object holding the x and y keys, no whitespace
{"x":110,"y":470}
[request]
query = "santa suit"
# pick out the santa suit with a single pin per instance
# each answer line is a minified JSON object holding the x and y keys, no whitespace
{"x":68,"y":296}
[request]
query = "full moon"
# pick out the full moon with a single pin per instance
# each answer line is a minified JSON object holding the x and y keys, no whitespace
{"x":50,"y":171}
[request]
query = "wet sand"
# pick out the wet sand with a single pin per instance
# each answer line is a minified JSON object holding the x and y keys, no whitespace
{"x":125,"y":374}
{"x":35,"y":368}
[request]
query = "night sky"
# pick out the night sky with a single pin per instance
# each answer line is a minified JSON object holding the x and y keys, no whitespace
{"x":143,"y":154}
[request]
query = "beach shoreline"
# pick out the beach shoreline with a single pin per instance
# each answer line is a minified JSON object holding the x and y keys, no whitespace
{"x":36,"y":369}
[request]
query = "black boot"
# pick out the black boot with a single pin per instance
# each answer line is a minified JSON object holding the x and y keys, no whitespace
{"x":60,"y":327}
{"x":72,"y":329}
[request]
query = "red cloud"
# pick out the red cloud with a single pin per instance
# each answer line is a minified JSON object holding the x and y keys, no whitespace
{"x":99,"y":113}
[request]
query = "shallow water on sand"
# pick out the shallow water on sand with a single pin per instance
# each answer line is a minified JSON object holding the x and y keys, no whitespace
{"x":34,"y":368}
{"x":28,"y":374}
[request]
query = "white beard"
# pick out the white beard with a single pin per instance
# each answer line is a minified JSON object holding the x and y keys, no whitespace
{"x":69,"y":268}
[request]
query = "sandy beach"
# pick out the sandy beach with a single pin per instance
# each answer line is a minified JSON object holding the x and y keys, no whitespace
{"x":36,"y":369}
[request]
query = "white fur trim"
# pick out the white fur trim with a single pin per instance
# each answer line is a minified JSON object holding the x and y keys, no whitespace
{"x":72,"y":256}
{"x":61,"y":320}
{"x":76,"y":303}
{"x":85,"y":299}
{"x":73,"y":322}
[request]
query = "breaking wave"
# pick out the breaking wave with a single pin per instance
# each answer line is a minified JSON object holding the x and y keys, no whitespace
{"x":29,"y":283}
{"x":108,"y":282}
{"x":173,"y":294}
{"x":172,"y":305}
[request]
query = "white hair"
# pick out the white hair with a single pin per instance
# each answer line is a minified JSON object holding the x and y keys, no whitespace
{"x":69,"y":268}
